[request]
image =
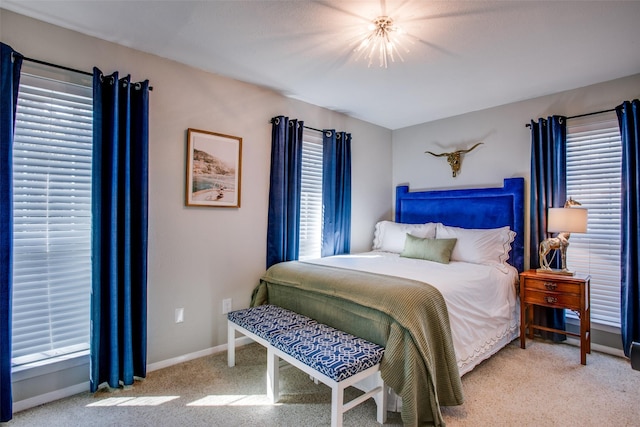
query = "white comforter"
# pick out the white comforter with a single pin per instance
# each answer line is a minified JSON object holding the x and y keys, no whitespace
{"x":481,"y":300}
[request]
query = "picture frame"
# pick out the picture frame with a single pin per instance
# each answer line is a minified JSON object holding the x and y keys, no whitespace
{"x":214,"y":169}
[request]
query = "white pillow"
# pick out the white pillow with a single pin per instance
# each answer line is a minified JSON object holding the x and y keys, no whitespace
{"x":478,"y":246}
{"x":390,"y":236}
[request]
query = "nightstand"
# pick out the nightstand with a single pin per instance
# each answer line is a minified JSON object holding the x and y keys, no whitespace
{"x":556,"y":291}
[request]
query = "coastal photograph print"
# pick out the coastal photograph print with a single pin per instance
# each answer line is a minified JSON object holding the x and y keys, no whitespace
{"x":214,"y":164}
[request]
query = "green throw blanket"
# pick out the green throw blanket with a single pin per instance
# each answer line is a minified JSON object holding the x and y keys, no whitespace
{"x":407,"y":317}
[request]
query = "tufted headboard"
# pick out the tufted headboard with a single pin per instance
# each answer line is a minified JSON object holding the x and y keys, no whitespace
{"x":469,"y":208}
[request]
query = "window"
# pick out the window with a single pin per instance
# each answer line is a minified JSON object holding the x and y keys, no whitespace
{"x":311,"y":198}
{"x":52,"y":219}
{"x":594,"y":158}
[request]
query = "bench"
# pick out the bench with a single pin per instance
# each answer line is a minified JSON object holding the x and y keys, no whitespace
{"x":334,"y":357}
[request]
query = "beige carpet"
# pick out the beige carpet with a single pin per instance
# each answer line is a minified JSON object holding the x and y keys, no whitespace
{"x":544,"y":385}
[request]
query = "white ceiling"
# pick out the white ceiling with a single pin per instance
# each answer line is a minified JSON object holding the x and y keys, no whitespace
{"x":465,"y":56}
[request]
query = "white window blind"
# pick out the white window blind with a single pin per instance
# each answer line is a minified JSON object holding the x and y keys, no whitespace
{"x":594,"y":158}
{"x":52,"y":219}
{"x":311,"y":199}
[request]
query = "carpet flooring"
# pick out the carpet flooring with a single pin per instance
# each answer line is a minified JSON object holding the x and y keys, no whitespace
{"x":544,"y":385}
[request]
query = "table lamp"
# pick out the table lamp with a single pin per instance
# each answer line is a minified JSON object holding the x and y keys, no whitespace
{"x":564,"y":221}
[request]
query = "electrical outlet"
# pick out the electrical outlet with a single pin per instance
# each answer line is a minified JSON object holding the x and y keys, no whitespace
{"x":179,"y":315}
{"x":226,"y":305}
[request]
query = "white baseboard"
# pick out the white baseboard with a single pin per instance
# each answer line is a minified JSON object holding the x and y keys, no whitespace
{"x":195,"y":355}
{"x":598,"y":347}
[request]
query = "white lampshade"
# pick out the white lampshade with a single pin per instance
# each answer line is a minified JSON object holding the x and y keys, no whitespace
{"x":567,"y":220}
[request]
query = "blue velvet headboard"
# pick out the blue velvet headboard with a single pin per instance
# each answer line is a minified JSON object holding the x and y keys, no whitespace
{"x":469,"y":208}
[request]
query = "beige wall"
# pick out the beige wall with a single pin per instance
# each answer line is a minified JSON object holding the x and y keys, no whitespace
{"x":199,"y":256}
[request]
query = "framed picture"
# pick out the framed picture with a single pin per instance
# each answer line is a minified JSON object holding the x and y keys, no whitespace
{"x":214,"y":166}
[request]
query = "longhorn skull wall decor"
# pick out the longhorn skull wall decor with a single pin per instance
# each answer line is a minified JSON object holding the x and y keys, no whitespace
{"x":454,"y":158}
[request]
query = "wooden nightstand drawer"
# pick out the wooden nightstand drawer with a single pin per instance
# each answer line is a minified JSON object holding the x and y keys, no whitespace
{"x":553,"y":299}
{"x":553,"y":286}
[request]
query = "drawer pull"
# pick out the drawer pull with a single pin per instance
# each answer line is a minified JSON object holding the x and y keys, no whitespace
{"x":551,"y":300}
{"x":550,"y":285}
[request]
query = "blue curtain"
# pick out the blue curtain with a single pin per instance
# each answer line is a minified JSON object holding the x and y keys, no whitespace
{"x":548,"y":189}
{"x":336,"y":193}
{"x":629,"y":121}
{"x":284,"y":190}
{"x":10,"y":64}
{"x":119,"y":230}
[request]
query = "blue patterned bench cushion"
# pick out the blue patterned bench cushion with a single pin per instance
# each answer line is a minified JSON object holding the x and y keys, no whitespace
{"x":334,"y":353}
{"x":267,"y":320}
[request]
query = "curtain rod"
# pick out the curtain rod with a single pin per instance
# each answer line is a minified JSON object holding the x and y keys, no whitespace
{"x":37,"y":61}
{"x":304,"y":126}
{"x":582,"y":115}
{"x":62,"y":67}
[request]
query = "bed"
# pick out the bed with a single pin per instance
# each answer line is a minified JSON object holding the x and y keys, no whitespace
{"x":438,"y":290}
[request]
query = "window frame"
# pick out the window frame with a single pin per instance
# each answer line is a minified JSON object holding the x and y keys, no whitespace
{"x":26,"y":366}
{"x":310,"y":230}
{"x":594,"y":252}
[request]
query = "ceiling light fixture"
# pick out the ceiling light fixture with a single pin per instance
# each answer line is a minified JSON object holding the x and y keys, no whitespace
{"x":383,"y":38}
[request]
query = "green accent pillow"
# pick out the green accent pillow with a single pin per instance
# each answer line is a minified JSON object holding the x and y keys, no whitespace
{"x":438,"y":250}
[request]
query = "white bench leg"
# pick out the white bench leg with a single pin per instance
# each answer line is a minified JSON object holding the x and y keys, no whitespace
{"x":273,"y":376}
{"x":381,"y":400}
{"x":231,"y":345}
{"x":337,"y":405}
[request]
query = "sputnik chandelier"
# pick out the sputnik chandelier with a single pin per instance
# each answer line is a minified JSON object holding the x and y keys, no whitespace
{"x":383,"y":41}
